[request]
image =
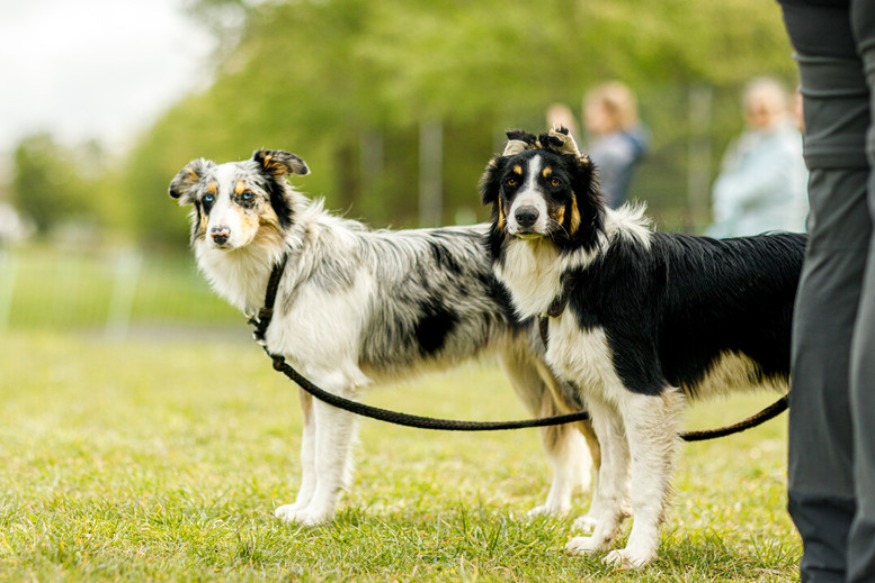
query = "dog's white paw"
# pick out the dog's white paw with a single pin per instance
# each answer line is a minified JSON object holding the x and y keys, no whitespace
{"x":287,"y":512}
{"x":585,"y":523}
{"x":627,"y":559}
{"x":583,"y":545}
{"x":546,"y":510}
{"x":302,"y":516}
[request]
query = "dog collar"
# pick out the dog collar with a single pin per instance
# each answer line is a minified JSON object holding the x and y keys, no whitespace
{"x":557,"y":306}
{"x":262,"y":320}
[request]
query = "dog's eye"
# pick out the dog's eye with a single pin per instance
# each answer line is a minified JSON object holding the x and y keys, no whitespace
{"x":209,"y":199}
{"x":512,"y":182}
{"x":555,"y":183}
{"x":246,"y":196}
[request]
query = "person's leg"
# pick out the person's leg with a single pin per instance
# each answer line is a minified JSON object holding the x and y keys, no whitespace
{"x":835,"y":98}
{"x":861,"y":541}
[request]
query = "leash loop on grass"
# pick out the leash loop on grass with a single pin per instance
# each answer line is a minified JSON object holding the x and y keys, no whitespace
{"x":265,"y":315}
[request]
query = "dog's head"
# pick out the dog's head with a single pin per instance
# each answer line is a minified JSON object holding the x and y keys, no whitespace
{"x":541,"y":187}
{"x":238,"y":203}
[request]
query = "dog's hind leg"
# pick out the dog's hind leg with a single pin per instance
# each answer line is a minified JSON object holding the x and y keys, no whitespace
{"x":588,"y":521}
{"x":651,"y":430}
{"x":564,"y":445}
{"x":566,"y":449}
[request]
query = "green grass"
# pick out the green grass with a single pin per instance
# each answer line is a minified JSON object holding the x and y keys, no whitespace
{"x":164,"y":460}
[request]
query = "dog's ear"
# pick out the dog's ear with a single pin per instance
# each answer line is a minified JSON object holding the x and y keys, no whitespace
{"x":517,"y":141}
{"x":490,"y":186}
{"x":184,"y":186}
{"x":280,"y":163}
{"x":587,"y":178}
{"x":586,"y":187}
{"x":560,"y":141}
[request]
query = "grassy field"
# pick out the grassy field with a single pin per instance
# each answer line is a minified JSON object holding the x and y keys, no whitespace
{"x":163,"y":459}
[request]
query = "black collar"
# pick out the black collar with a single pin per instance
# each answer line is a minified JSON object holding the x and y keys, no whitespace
{"x":557,"y":306}
{"x":262,"y":320}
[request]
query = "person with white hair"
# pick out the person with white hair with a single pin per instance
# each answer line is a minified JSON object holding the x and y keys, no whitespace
{"x":762,"y":185}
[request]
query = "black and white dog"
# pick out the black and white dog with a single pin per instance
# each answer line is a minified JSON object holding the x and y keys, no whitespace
{"x":357,"y":306}
{"x":639,"y":321}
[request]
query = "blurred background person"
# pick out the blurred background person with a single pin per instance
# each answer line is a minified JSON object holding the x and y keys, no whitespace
{"x":616,"y":142}
{"x":560,"y":115}
{"x":762,"y":185}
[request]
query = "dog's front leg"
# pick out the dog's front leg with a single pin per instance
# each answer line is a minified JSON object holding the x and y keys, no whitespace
{"x":335,"y":432}
{"x":651,"y":430}
{"x":610,"y":498}
{"x":308,"y":458}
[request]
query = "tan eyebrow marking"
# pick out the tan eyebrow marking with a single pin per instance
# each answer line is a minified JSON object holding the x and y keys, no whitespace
{"x":517,"y":169}
{"x":575,"y":215}
{"x":547,"y":171}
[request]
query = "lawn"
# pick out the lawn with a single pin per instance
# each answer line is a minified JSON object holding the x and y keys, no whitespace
{"x":163,"y":458}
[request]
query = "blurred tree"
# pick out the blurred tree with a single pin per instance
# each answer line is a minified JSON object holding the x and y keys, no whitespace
{"x":47,"y":185}
{"x":347,"y":83}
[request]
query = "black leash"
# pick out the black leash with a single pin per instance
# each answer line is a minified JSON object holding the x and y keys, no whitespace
{"x":406,"y":420}
{"x":261,"y":323}
{"x":766,"y":414}
{"x":265,"y":315}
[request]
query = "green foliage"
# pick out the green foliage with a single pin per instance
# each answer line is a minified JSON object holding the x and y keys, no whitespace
{"x":163,"y":459}
{"x":46,"y":185}
{"x":59,"y":186}
{"x":324,"y":78}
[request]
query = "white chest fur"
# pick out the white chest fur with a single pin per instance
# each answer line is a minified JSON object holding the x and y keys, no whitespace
{"x":582,"y":356}
{"x":240,"y":276}
{"x":531,"y":272}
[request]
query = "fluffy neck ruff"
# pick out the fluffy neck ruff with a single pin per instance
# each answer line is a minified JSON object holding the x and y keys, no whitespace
{"x":531,"y":270}
{"x":534,"y":270}
{"x":240,"y":275}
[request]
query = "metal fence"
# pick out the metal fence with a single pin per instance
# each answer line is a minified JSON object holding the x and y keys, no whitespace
{"x":104,"y":290}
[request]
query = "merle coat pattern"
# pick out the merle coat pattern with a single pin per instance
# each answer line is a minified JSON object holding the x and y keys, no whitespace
{"x":357,"y":306}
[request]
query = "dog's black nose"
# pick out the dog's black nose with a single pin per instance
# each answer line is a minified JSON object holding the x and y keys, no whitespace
{"x":220,"y":235}
{"x":526,"y":216}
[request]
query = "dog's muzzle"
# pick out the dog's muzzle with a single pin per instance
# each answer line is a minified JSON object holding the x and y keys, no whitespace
{"x":524,"y":221}
{"x":220,"y":235}
{"x":526,"y":217}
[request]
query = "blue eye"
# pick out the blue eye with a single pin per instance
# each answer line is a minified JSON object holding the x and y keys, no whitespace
{"x":246,"y":196}
{"x":209,"y":199}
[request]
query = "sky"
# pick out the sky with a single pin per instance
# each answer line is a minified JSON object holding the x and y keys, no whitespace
{"x":95,"y":69}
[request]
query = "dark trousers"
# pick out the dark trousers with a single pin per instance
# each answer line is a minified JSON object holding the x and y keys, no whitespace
{"x":832,"y":402}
